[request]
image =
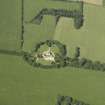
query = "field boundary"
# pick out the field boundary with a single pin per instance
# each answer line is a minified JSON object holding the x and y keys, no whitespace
{"x":77,"y":15}
{"x":12,"y":52}
{"x":22,"y":26}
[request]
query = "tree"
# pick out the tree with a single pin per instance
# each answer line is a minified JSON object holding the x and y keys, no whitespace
{"x":88,"y":64}
{"x":97,"y":65}
{"x":74,"y":62}
{"x":79,"y":103}
{"x":59,"y":99}
{"x":82,"y":62}
{"x":49,"y":43}
{"x":68,"y":100}
{"x":78,"y":21}
{"x":77,"y":52}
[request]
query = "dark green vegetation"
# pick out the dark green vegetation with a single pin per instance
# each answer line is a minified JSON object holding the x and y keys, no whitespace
{"x":67,"y":100}
{"x":77,"y":15}
{"x":10,"y":25}
{"x":55,"y":50}
{"x":85,"y":63}
{"x":60,"y":57}
{"x":21,"y":84}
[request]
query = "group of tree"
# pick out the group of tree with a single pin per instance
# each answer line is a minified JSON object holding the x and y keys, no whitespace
{"x":67,"y":100}
{"x":32,"y":61}
{"x":61,"y":59}
{"x":49,"y":43}
{"x":85,"y":63}
{"x":77,"y":15}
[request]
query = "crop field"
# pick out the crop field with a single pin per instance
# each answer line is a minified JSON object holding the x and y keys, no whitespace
{"x":22,"y":84}
{"x":35,"y":33}
{"x":10,"y":24}
{"x":90,"y":38}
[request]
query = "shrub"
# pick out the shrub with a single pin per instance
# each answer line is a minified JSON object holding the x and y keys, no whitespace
{"x":88,"y":64}
{"x":82,"y":62}
{"x":68,"y":100}
{"x":59,"y":100}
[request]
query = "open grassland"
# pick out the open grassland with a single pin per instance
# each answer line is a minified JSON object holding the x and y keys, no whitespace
{"x":35,"y":33}
{"x":20,"y":84}
{"x":90,"y":38}
{"x":10,"y":24}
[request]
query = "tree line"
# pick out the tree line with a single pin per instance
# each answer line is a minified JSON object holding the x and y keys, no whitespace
{"x":77,"y":15}
{"x":62,"y":60}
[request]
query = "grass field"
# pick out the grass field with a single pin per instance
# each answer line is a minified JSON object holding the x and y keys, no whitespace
{"x":23,"y":85}
{"x":35,"y":33}
{"x":90,"y":38}
{"x":10,"y":24}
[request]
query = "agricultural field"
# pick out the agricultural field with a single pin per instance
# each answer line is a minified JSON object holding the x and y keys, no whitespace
{"x":22,"y":84}
{"x":35,"y":33}
{"x":90,"y":38}
{"x":10,"y":24}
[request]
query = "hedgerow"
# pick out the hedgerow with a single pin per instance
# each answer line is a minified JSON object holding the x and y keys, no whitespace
{"x":68,"y":101}
{"x":62,"y":60}
{"x":78,"y":16}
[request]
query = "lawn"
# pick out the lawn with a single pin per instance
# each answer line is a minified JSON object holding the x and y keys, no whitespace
{"x":90,"y":38}
{"x":10,"y":24}
{"x":21,"y":84}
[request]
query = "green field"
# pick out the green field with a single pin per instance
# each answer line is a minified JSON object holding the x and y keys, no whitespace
{"x":90,"y":38}
{"x":10,"y":24}
{"x":35,"y":33}
{"x":23,"y":85}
